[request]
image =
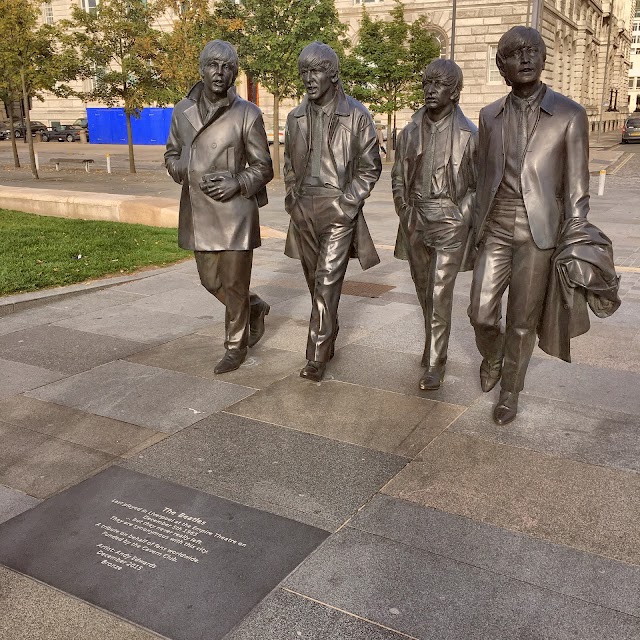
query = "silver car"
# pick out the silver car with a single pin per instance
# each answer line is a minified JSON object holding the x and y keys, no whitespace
{"x":631,"y":129}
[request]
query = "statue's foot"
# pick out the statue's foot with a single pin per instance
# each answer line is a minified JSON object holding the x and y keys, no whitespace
{"x":233,"y":358}
{"x":256,"y":322}
{"x":432,"y":379}
{"x":505,"y":411}
{"x":313,"y":371}
{"x":490,"y":373}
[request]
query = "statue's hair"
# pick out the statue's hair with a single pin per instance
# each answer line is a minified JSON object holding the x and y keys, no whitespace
{"x":514,"y":39}
{"x":219,"y":50}
{"x":447,"y":72}
{"x":318,"y":55}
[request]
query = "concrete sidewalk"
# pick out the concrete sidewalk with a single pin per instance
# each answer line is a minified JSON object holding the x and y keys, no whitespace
{"x":442,"y":524}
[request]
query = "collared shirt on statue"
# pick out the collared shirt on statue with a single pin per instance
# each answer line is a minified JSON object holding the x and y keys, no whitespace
{"x":321,"y":171}
{"x":518,"y":114}
{"x":431,"y":176}
{"x":206,"y":107}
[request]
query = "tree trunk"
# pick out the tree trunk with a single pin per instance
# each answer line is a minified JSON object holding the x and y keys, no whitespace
{"x":27,"y":117}
{"x":391,"y":152}
{"x":276,"y":136}
{"x":12,"y":129}
{"x":132,"y":162}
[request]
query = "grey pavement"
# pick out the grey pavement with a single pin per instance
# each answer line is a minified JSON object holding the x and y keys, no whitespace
{"x":442,"y":525}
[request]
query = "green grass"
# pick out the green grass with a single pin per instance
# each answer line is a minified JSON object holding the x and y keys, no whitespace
{"x":38,"y":252}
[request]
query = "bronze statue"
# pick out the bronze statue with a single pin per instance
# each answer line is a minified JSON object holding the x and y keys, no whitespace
{"x":218,"y":150}
{"x":433,"y":181}
{"x":331,"y":163}
{"x":533,"y":183}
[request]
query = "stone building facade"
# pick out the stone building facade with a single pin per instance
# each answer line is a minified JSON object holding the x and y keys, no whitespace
{"x":588,"y":50}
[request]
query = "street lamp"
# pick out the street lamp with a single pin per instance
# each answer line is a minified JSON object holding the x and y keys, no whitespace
{"x":453,"y":31}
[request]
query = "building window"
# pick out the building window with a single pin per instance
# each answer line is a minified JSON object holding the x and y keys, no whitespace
{"x":365,"y":1}
{"x":89,"y":5}
{"x":631,"y":81}
{"x":493,"y":73}
{"x":48,"y":13}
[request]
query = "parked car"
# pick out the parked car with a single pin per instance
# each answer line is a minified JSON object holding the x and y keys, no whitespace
{"x":21,"y":128}
{"x":631,"y":129}
{"x":66,"y":132}
{"x":81,"y":122}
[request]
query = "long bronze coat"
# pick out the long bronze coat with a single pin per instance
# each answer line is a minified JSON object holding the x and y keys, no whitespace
{"x":461,"y":173}
{"x":355,"y":152}
{"x":233,"y":140}
{"x":555,"y":171}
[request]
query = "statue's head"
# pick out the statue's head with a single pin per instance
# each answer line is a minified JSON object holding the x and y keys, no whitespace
{"x":521,"y":56}
{"x":442,"y":83}
{"x":218,"y":66}
{"x":319,"y":68}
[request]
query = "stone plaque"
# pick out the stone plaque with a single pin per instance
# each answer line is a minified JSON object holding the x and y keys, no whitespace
{"x":177,"y":561}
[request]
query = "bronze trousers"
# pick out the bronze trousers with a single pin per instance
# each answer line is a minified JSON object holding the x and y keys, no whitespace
{"x":508,"y":257}
{"x":436,"y":234}
{"x":324,"y":237}
{"x":227,"y":275}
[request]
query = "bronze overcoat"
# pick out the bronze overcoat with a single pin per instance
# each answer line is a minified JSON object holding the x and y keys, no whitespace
{"x":354,"y":147}
{"x":461,"y":173}
{"x":555,"y":171}
{"x":234,"y":140}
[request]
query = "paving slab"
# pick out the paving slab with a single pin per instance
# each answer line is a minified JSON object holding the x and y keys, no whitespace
{"x":592,"y":578}
{"x":562,"y":429}
{"x":582,"y":384}
{"x":65,"y":350}
{"x":18,"y":377}
{"x":155,"y":284}
{"x":41,"y":465}
{"x":190,"y":301}
{"x":587,"y":507}
{"x":381,"y":420}
{"x":13,"y":502}
{"x":33,"y":611}
{"x":78,"y":427}
{"x":284,"y":614}
{"x":401,"y":372}
{"x":308,"y":478}
{"x":198,"y":355}
{"x":186,"y":564}
{"x":146,"y":396}
{"x":429,"y":596}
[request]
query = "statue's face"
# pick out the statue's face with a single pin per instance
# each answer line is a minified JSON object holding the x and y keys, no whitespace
{"x":524,"y":65}
{"x":218,"y":77}
{"x":318,"y":83}
{"x":436,"y":94}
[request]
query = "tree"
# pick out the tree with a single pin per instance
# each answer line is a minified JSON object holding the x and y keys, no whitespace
{"x":118,"y":45}
{"x":30,"y":62}
{"x":384,"y":67}
{"x":272,"y":35}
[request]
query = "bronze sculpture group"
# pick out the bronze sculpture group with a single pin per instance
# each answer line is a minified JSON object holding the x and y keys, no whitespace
{"x":508,"y":200}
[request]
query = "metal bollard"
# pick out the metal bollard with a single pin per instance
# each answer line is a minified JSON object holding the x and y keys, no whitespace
{"x":603,"y":175}
{"x":108,"y":163}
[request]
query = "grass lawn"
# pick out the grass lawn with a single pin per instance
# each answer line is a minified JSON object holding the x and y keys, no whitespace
{"x":41,"y":251}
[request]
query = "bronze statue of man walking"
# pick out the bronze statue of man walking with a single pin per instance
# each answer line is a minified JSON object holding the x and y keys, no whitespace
{"x":433,"y":181}
{"x":533,"y":177}
{"x":218,"y":151}
{"x":331,"y":163}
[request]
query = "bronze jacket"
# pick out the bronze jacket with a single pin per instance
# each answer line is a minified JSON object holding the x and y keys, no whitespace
{"x":555,"y":173}
{"x":233,"y":140}
{"x":355,"y":152}
{"x":461,"y":173}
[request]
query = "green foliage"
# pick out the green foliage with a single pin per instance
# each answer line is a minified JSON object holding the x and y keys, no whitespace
{"x":273,"y":34}
{"x":41,"y":251}
{"x":118,"y":45}
{"x":384,"y":68}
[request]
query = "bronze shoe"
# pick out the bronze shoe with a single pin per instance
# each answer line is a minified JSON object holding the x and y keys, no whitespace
{"x":432,"y":379}
{"x":490,"y":373}
{"x":256,"y":322}
{"x":313,"y":371}
{"x":233,"y":358}
{"x":506,"y":409}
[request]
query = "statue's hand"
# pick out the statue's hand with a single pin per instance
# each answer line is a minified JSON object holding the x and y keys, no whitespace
{"x":221,"y":188}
